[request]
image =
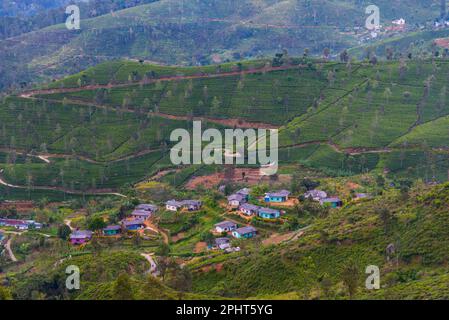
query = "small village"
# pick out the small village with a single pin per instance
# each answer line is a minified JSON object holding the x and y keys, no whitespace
{"x":395,"y":28}
{"x":224,"y":150}
{"x":271,"y":207}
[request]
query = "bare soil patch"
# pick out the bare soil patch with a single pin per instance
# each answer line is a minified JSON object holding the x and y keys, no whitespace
{"x":19,"y":206}
{"x":289,"y":203}
{"x":442,"y":42}
{"x":200,"y":247}
{"x":178,"y":237}
{"x":248,"y":176}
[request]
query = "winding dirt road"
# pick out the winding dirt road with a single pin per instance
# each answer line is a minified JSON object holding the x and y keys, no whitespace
{"x":8,"y":249}
{"x":6,"y":184}
{"x":153,"y":266}
{"x":31,"y":93}
{"x":227,"y":122}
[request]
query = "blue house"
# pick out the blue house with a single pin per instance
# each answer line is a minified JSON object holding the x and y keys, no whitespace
{"x":279,"y":196}
{"x":244,"y":232}
{"x":134,"y":225}
{"x":112,"y":230}
{"x":334,"y":202}
{"x":268,"y":213}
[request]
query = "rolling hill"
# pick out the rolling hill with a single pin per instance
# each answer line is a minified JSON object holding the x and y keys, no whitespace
{"x":357,"y":236}
{"x":194,"y":32}
{"x":109,"y":126}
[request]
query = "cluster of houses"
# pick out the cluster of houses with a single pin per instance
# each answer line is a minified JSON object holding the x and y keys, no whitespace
{"x":239,"y":200}
{"x":189,"y":205}
{"x":135,"y":222}
{"x":20,"y":224}
{"x":396,"y":26}
{"x":252,"y":210}
{"x":321,"y":197}
{"x":277,"y":196}
{"x":232,"y":228}
{"x":235,"y":200}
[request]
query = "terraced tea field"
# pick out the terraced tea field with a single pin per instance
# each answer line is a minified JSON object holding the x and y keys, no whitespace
{"x":110,"y":125}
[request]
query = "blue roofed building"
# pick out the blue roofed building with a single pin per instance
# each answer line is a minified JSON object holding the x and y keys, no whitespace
{"x":268,"y":213}
{"x":133,"y":225}
{"x":112,"y":230}
{"x":244,"y":232}
{"x":278,"y":196}
{"x":333,"y":202}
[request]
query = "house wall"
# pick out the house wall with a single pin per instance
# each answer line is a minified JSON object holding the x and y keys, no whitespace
{"x":240,"y":236}
{"x":220,"y":229}
{"x":110,"y":233}
{"x":134,"y":227}
{"x":275,"y":199}
{"x":78,"y":241}
{"x":269,"y":215}
{"x":247,"y":212}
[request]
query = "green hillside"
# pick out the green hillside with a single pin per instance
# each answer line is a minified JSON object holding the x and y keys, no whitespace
{"x":195,"y":32}
{"x":110,"y":125}
{"x":357,"y":236}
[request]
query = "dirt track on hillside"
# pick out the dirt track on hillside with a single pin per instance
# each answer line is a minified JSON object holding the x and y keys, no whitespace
{"x":238,"y":123}
{"x":31,"y":93}
{"x":88,"y":192}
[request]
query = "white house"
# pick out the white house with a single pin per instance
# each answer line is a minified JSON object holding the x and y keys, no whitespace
{"x":173,"y":205}
{"x":249,"y":209}
{"x":315,"y":195}
{"x":236,"y":199}
{"x":190,"y":205}
{"x":399,"y":22}
{"x":225,"y":226}
{"x":223,"y":243}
